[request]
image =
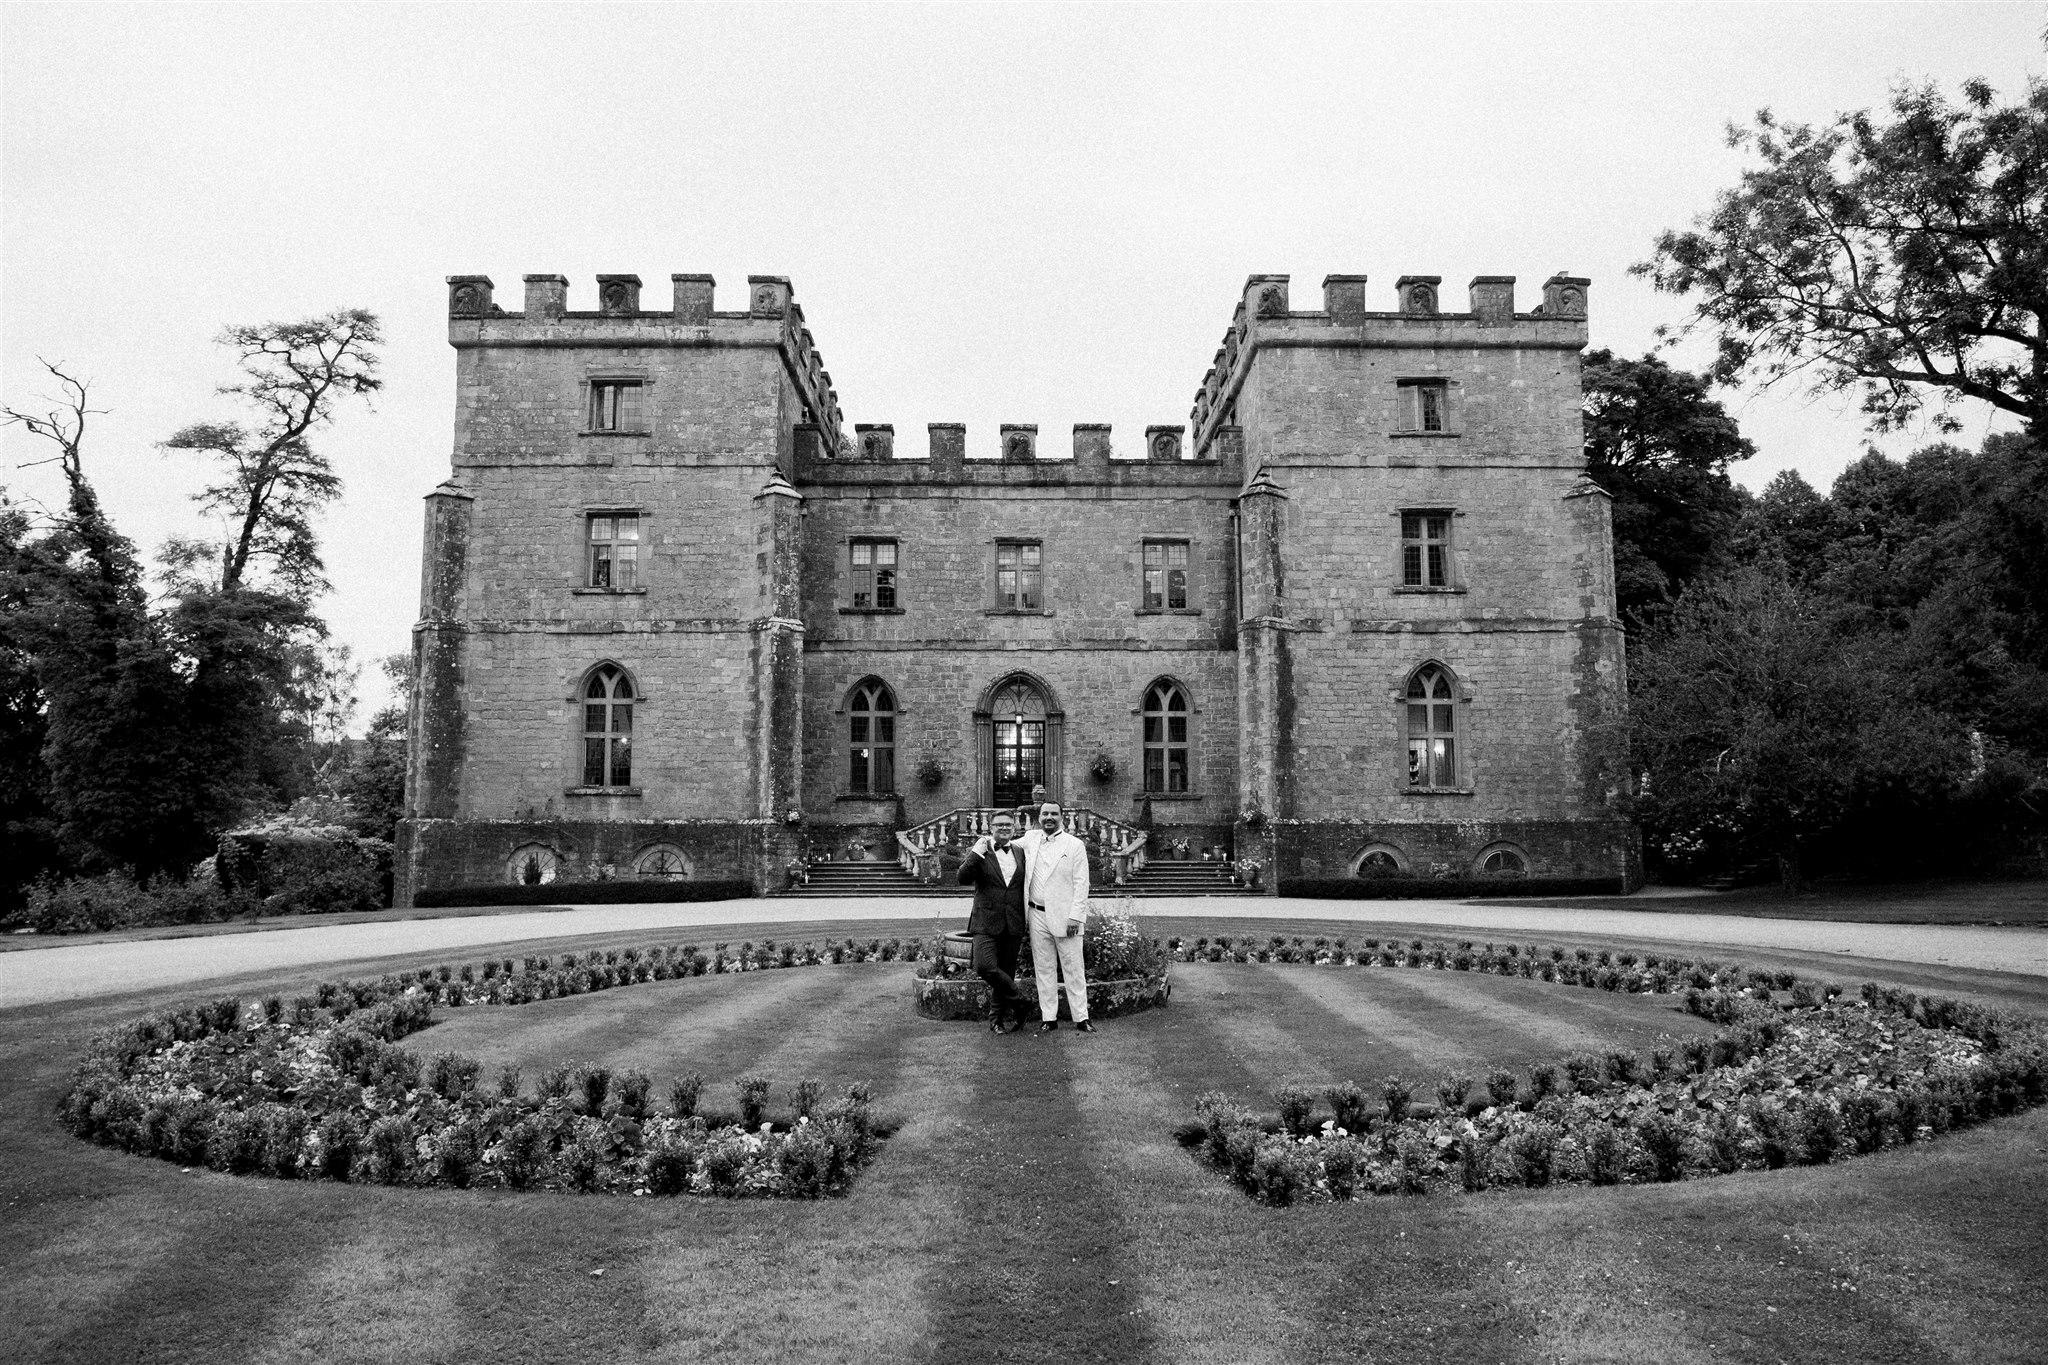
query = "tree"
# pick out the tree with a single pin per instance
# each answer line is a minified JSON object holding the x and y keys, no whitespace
{"x":1765,"y":724}
{"x":1661,"y":448}
{"x":273,"y":481}
{"x":373,"y":780}
{"x":120,"y":779}
{"x":1905,"y":257}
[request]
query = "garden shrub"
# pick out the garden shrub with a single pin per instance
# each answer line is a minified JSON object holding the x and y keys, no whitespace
{"x":753,"y":1093}
{"x":1349,"y":1106}
{"x":1396,"y":1095}
{"x":1297,"y":1109}
{"x":683,"y":1093}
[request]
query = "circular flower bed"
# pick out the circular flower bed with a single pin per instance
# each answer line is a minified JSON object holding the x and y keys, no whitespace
{"x":1127,"y":972}
{"x":318,"y":1088}
{"x":1796,"y":1075}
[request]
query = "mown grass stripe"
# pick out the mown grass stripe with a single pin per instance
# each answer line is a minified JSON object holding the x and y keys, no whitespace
{"x":1545,"y":1019}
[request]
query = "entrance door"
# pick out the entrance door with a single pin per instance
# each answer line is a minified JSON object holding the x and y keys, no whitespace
{"x":1019,"y":718}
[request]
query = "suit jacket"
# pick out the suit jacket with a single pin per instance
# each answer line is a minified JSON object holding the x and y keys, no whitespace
{"x":1065,"y":888}
{"x":998,"y":905}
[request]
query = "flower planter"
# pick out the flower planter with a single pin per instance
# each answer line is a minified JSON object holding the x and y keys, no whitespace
{"x":967,"y":996}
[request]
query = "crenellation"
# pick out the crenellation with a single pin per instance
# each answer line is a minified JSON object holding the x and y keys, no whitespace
{"x":618,"y":295}
{"x":547,"y":296}
{"x":693,"y":298}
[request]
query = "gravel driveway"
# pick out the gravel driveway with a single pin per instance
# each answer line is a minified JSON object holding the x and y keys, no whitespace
{"x":79,"y":970}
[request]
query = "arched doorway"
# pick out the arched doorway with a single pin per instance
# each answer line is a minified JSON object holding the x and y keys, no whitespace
{"x":1018,"y":727}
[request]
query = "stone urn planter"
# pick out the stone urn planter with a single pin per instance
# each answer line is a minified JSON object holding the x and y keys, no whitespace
{"x":957,"y":993}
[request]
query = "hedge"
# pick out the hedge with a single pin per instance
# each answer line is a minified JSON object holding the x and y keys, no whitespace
{"x":1445,"y":888}
{"x":584,"y":893}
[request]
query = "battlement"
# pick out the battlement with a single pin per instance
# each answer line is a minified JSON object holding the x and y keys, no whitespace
{"x":873,"y":458}
{"x":772,"y":318}
{"x":1264,"y":317}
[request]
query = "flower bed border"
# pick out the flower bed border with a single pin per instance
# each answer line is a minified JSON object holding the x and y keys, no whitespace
{"x":364,"y":1109}
{"x":968,"y":997}
{"x":1619,"y":1120}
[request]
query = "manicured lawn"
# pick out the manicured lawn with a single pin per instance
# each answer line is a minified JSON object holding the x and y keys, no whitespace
{"x":1034,"y":1206}
{"x":1899,"y":903}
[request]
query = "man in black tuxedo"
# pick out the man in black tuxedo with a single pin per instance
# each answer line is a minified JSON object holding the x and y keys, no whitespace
{"x":995,"y":869}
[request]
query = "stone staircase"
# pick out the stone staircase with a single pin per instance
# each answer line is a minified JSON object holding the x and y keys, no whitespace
{"x":877,"y":880}
{"x":1177,"y":879}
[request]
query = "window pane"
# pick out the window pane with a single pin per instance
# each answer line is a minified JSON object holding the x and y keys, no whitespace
{"x":885,"y":587}
{"x":863,"y":553}
{"x":1031,"y":553}
{"x":600,"y":528}
{"x":1418,"y":686}
{"x":1006,"y":554}
{"x":1006,"y":587}
{"x":1439,"y":685}
{"x":593,"y":718}
{"x":1176,"y":729}
{"x":1155,"y":589}
{"x":1418,"y":757}
{"x":593,"y":763}
{"x":1443,"y":717}
{"x":885,"y":729}
{"x":885,"y":552}
{"x":1446,"y":769}
{"x":622,"y":719}
{"x":630,"y":418}
{"x":1411,"y":526}
{"x":1411,"y":566}
{"x":1153,"y":734}
{"x":1436,"y":566}
{"x":629,"y":566}
{"x":857,"y":776}
{"x":860,"y":730}
{"x":1418,"y":720}
{"x":1177,"y":554}
{"x":1432,"y":407}
{"x":1176,"y":589}
{"x":1438,"y":528}
{"x":600,"y":566}
{"x":885,"y":770}
{"x":1030,"y":590}
{"x":629,"y":528}
{"x":622,"y":762}
{"x":1155,"y":770}
{"x":1154,"y":553}
{"x":1177,"y":770}
{"x":861,"y":596}
{"x":1176,"y":700}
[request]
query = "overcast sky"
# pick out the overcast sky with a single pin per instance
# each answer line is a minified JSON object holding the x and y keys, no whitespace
{"x":990,"y":214}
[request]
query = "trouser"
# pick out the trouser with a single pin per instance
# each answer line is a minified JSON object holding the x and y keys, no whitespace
{"x":995,"y":961}
{"x":1061,"y":954}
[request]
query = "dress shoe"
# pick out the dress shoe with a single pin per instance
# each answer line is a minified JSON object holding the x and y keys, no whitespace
{"x":995,"y":1024}
{"x":1015,"y":1024}
{"x":1048,"y":1026}
{"x":1084,"y":1027}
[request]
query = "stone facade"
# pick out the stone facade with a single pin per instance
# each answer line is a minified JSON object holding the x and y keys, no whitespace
{"x":751,"y":638}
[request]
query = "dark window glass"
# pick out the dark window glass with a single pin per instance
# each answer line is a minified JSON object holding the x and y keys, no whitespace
{"x":1425,"y":549}
{"x":1166,"y":575}
{"x":615,"y":551}
{"x":871,"y":741}
{"x":1165,"y":734}
{"x":615,"y":405}
{"x":608,"y":729}
{"x":1020,"y":576}
{"x":874,"y":573}
{"x":1432,"y":721}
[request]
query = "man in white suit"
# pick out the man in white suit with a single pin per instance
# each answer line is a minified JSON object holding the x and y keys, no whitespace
{"x":1055,"y":909}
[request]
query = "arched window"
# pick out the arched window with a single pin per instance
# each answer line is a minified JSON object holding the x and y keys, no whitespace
{"x":662,"y":862}
{"x":608,"y":728}
{"x":872,"y":736}
{"x":1166,"y":737}
{"x":1432,"y":729}
{"x":1503,"y":862}
{"x":1378,"y":860}
{"x":532,"y":865}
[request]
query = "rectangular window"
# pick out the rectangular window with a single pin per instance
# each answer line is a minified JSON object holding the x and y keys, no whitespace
{"x":1425,"y":549}
{"x":1166,"y":575}
{"x":874,"y":574}
{"x":615,"y":551}
{"x":1425,"y":405}
{"x":615,"y":405}
{"x":1020,"y":576}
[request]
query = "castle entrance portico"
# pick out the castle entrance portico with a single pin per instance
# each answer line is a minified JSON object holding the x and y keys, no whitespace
{"x":1018,"y":742}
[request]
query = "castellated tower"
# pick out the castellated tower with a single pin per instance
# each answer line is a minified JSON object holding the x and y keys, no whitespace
{"x":1356,"y":620}
{"x":608,"y":658}
{"x":1430,"y":664}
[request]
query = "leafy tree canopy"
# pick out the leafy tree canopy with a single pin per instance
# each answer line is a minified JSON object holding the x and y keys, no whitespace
{"x":1903,"y":255}
{"x":1661,"y":447}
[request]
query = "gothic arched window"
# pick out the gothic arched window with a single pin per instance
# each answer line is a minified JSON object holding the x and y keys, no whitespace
{"x":1166,"y":737}
{"x":608,"y":728}
{"x":872,"y":741}
{"x":1432,"y":705}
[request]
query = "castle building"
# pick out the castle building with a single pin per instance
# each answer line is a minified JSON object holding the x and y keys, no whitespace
{"x":1357,"y":617}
